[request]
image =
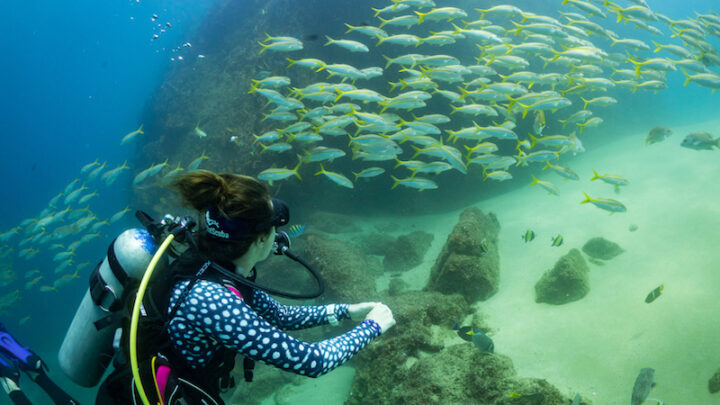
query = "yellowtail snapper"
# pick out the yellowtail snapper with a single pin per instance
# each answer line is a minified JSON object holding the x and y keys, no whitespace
{"x":654,"y":294}
{"x":606,"y":204}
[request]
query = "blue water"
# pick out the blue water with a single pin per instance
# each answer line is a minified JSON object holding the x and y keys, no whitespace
{"x":77,"y":76}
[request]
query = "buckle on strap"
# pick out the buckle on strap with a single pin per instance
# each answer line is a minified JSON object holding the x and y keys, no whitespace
{"x":102,"y":294}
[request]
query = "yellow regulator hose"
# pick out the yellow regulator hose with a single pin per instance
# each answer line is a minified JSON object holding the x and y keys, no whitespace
{"x":136,"y":316}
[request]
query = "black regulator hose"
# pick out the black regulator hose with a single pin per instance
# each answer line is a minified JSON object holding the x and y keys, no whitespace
{"x":287,"y":252}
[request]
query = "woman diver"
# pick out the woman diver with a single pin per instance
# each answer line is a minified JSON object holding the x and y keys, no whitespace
{"x":210,"y":319}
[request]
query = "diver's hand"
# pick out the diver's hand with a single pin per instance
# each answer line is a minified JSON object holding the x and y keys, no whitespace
{"x":358,"y":311}
{"x":383,"y":316}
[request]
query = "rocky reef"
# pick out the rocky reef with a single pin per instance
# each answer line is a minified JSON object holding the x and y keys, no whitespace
{"x":566,"y":282}
{"x":714,"y":382}
{"x":469,"y":263}
{"x":333,"y":223}
{"x":407,"y":251}
{"x":601,"y":248}
{"x":422,"y":360}
{"x":349,"y":274}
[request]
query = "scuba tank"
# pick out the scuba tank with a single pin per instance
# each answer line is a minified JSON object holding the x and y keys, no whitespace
{"x":88,"y":346}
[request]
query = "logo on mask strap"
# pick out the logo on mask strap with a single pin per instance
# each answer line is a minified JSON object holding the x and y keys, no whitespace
{"x":214,"y":227}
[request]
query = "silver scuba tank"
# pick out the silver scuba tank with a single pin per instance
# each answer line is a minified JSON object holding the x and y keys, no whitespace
{"x":88,"y":348}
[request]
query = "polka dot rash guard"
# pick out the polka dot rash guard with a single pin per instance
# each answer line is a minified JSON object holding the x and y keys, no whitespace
{"x":212,"y":317}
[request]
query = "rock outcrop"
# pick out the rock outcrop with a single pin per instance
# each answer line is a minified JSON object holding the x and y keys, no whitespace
{"x":601,"y":248}
{"x":407,"y":251}
{"x":469,"y":263}
{"x":566,"y":282}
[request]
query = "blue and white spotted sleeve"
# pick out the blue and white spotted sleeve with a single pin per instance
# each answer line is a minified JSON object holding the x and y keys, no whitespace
{"x":212,"y":317}
{"x":294,"y":317}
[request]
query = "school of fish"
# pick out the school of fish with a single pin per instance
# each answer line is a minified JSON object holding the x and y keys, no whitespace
{"x":518,"y":89}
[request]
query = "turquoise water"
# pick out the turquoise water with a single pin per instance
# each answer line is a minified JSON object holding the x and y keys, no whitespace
{"x":79,"y":77}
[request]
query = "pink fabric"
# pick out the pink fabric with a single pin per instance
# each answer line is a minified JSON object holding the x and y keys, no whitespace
{"x":163,"y":373}
{"x":233,"y":289}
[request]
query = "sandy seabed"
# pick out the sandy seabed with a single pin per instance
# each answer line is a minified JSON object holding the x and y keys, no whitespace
{"x":597,"y":345}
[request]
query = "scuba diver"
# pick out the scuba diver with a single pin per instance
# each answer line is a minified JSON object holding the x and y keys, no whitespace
{"x":14,"y":358}
{"x":208,"y":309}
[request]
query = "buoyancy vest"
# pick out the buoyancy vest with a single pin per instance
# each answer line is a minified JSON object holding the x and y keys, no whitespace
{"x":154,"y":343}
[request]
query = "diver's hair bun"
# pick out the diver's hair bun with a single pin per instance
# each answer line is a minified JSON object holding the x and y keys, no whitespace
{"x":235,"y":195}
{"x":201,"y":189}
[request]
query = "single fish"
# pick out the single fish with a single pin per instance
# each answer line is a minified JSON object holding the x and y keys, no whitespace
{"x":418,"y":183}
{"x":657,"y":134}
{"x":700,"y":141}
{"x":482,"y":341}
{"x":613,"y":179}
{"x":557,"y":241}
{"x":369,"y":172}
{"x":129,"y":137}
{"x":88,"y":167}
{"x":337,"y":178}
{"x":549,"y":187}
{"x":606,"y":204}
{"x":196,"y":163}
{"x":352,"y":46}
{"x":562,"y":171}
{"x":279,"y":173}
{"x":528,"y":236}
{"x":654,"y":294}
{"x":116,"y":216}
{"x":483,"y":247}
{"x":296,"y":230}
{"x":643,"y":385}
{"x":199,"y":132}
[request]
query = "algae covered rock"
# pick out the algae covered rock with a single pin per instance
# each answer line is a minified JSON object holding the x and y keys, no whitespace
{"x":396,"y":286}
{"x":348,"y":273}
{"x":376,"y":243}
{"x":333,"y":223}
{"x":601,"y":248}
{"x":407,"y":251}
{"x":457,"y":374}
{"x":714,"y":382}
{"x":566,"y":282}
{"x":469,"y":263}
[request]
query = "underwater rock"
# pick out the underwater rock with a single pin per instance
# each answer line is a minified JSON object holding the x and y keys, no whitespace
{"x":407,"y":251}
{"x":333,"y":223}
{"x":458,"y":374}
{"x":534,"y":391}
{"x":268,"y":380}
{"x":469,"y":263}
{"x":601,"y":248}
{"x":566,"y":282}
{"x":376,"y":243}
{"x":348,"y":273}
{"x":397,"y":286}
{"x":379,"y":367}
{"x":714,"y":382}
